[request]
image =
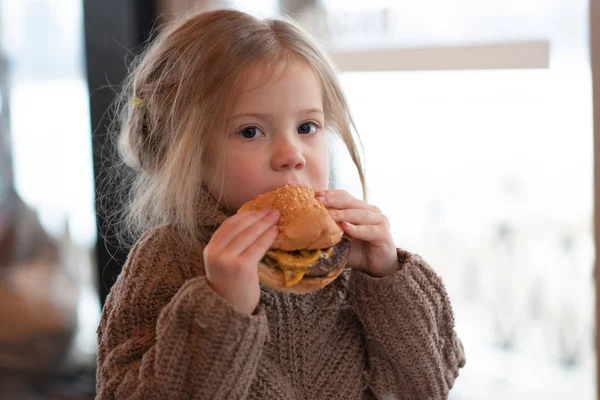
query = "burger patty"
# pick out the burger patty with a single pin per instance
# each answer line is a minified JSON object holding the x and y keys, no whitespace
{"x":325,"y":264}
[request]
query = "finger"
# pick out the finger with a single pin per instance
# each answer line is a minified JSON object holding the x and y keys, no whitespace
{"x":340,"y":199}
{"x":256,"y":251}
{"x":367,"y":233}
{"x":357,"y":216}
{"x":236,"y":224}
{"x":246,"y":238}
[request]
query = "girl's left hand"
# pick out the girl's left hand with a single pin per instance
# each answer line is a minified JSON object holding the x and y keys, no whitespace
{"x":373,"y":250}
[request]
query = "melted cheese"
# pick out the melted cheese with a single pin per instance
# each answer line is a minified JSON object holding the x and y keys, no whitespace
{"x":295,"y":266}
{"x":285,"y":259}
{"x":291,"y":278}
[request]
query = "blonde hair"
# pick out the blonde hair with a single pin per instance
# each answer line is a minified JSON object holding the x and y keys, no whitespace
{"x":177,"y":97}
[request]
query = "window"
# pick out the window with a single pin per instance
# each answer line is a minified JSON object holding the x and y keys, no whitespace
{"x":42,"y":44}
{"x":488,"y":175}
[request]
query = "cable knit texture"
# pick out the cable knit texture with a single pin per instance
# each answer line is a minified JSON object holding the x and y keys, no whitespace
{"x":165,"y":334}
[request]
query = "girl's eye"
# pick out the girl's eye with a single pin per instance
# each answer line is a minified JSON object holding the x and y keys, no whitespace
{"x":251,"y":132}
{"x":307,"y":128}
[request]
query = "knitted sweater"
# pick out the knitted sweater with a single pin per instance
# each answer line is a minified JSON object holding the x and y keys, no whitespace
{"x":165,"y":334}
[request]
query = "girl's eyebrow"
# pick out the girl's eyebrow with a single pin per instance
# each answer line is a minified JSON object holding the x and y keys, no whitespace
{"x":312,"y":111}
{"x":267,"y":116}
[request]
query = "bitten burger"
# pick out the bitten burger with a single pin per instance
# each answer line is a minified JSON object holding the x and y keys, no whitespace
{"x":311,"y":249}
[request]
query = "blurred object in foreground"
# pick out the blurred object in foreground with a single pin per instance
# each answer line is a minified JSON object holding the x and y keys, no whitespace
{"x":38,"y":300}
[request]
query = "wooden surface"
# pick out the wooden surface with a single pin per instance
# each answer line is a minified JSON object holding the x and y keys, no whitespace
{"x":508,"y":55}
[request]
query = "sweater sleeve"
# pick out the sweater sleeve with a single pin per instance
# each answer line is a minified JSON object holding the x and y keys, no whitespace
{"x":412,"y":348}
{"x":165,"y":334}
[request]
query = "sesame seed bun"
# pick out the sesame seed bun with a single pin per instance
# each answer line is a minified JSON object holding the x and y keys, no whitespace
{"x":305,"y":222}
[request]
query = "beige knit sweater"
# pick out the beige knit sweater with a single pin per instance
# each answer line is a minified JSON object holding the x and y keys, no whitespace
{"x":165,"y":334}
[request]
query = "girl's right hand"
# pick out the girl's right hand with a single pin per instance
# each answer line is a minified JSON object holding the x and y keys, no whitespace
{"x":232,"y":255}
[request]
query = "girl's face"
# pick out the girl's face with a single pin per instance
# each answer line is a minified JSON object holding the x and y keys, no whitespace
{"x":276,"y":137}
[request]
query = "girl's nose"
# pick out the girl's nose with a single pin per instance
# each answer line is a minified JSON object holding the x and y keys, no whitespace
{"x":287,"y":155}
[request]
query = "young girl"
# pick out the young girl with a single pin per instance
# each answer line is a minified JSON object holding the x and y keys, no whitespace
{"x":223,"y":107}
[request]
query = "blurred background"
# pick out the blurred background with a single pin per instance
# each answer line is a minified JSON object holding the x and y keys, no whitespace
{"x":477,"y":123}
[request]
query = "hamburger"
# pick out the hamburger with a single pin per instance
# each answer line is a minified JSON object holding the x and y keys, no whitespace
{"x":310,"y":251}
